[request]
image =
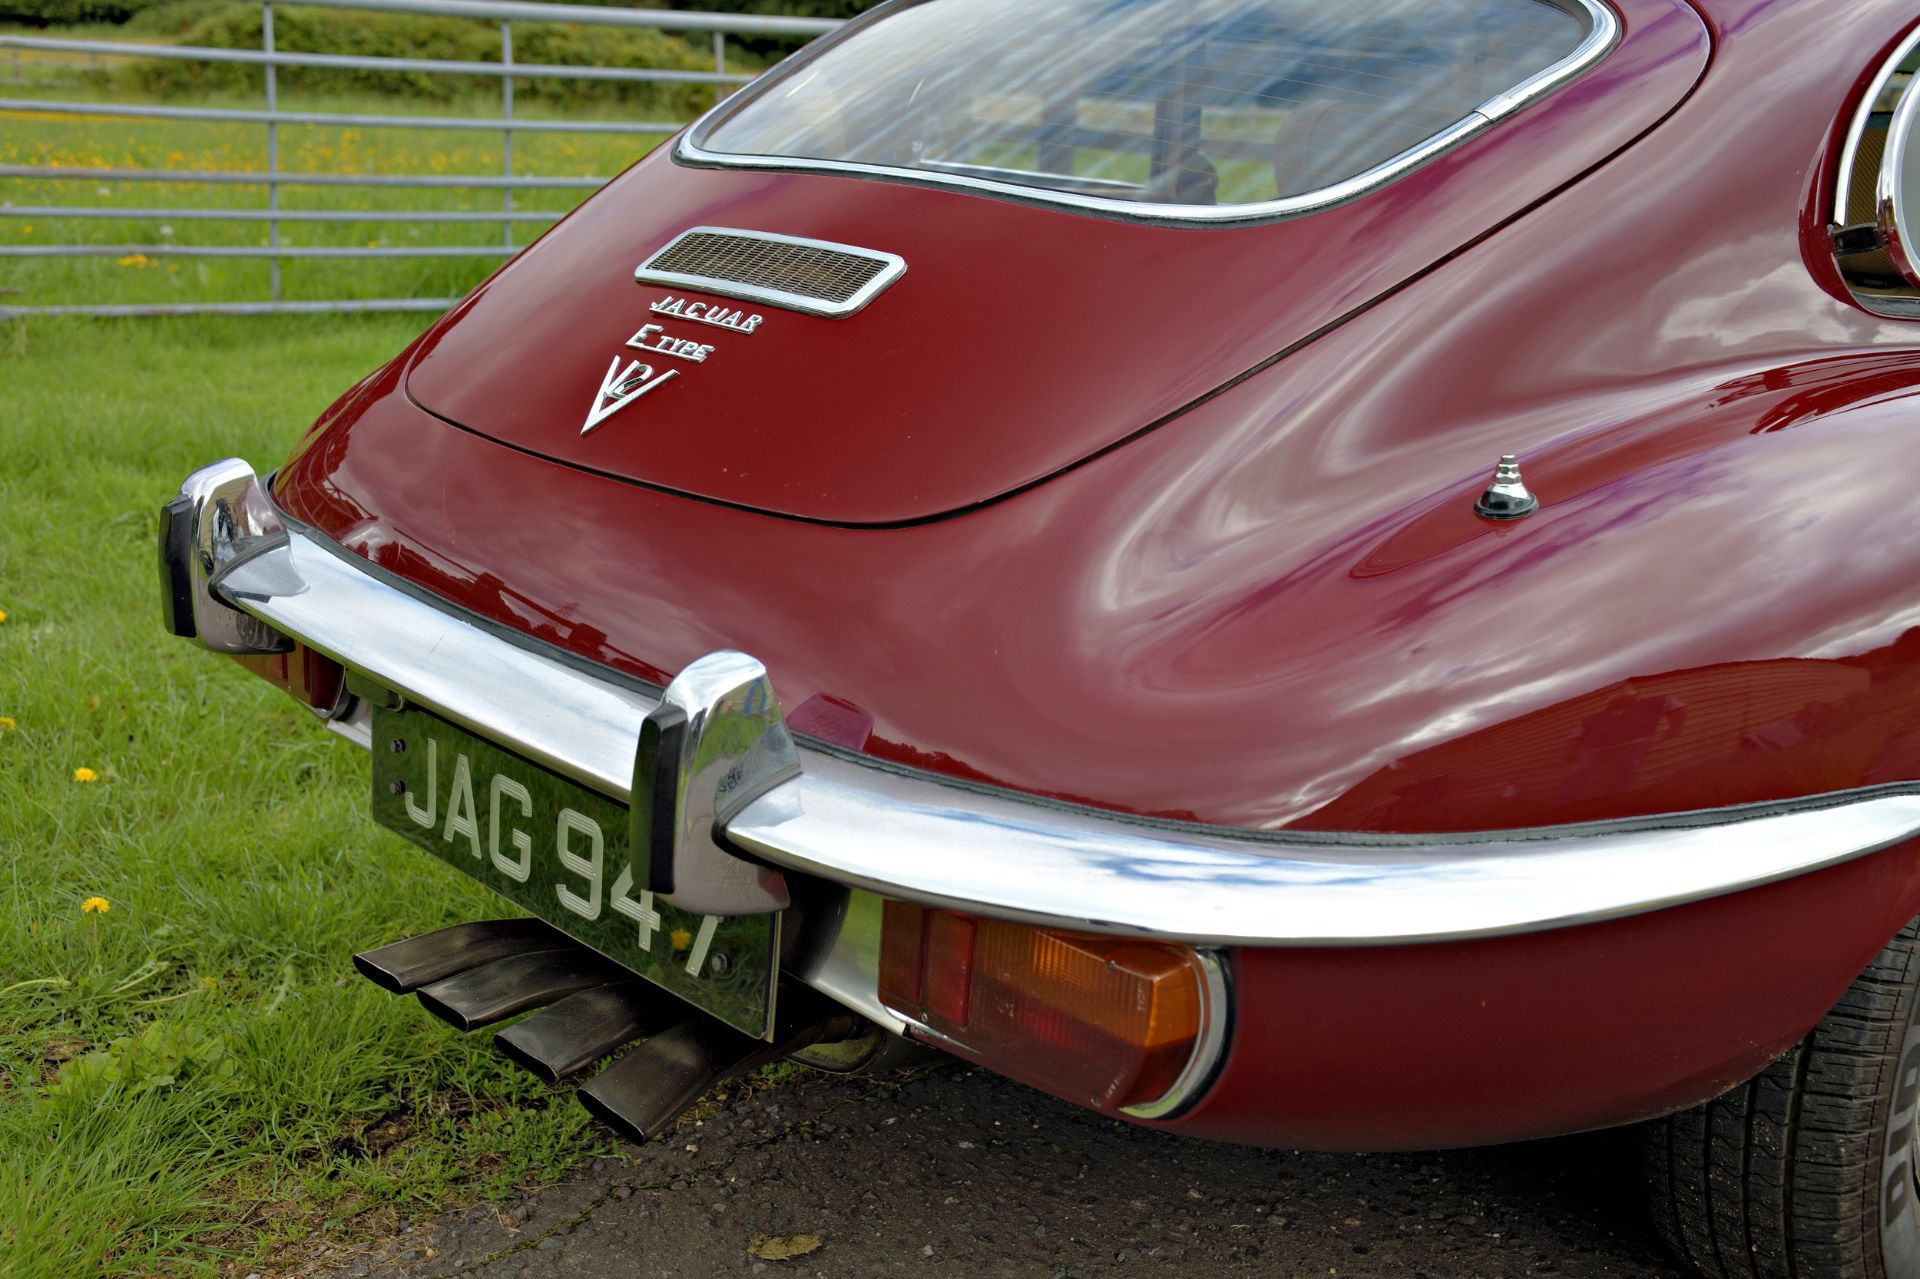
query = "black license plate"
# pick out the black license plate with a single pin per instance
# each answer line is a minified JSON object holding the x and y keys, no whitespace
{"x":559,"y":850}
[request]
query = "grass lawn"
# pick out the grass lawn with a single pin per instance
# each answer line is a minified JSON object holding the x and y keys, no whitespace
{"x":195,"y":1077}
{"x":78,"y":142}
{"x":197,"y":1073}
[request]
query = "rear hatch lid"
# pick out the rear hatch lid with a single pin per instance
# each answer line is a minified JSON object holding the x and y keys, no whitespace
{"x":837,"y":338}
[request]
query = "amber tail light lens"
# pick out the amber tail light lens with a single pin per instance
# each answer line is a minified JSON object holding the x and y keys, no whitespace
{"x":1111,"y":1022}
{"x":316,"y":680}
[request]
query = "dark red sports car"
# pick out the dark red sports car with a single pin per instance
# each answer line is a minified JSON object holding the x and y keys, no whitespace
{"x":1331,"y":575}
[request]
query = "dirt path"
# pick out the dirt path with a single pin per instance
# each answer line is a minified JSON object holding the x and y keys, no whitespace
{"x":954,"y":1171}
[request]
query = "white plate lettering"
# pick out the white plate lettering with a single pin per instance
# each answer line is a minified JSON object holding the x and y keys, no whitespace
{"x":568,"y":825}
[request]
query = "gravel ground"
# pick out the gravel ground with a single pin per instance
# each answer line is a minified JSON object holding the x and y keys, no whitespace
{"x":948,"y":1170}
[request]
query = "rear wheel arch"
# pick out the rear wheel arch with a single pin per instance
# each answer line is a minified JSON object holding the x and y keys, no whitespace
{"x":1810,"y":1170}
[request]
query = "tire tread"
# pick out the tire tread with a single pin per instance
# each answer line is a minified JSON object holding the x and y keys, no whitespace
{"x":1777,"y":1178}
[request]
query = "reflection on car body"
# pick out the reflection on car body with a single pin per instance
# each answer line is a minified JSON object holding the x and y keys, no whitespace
{"x":1328,"y":576}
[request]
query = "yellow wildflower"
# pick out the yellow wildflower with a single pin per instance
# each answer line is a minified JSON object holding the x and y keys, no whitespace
{"x":133,"y":259}
{"x":85,"y":775}
{"x":3,"y":614}
{"x":95,"y":906}
{"x":6,"y":724}
{"x":680,"y":938}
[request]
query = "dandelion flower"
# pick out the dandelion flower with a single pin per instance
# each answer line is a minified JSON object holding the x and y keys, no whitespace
{"x":95,"y":906}
{"x":6,"y":724}
{"x":85,"y":775}
{"x":3,"y":614}
{"x":680,"y":938}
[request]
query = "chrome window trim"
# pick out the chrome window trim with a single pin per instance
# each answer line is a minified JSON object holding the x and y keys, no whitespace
{"x":1843,"y":179}
{"x":1897,"y":225}
{"x":864,"y":825}
{"x":1603,"y":34}
{"x":893,"y":266}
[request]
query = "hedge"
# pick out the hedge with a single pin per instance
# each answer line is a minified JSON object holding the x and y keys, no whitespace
{"x":50,"y":13}
{"x":43,"y":13}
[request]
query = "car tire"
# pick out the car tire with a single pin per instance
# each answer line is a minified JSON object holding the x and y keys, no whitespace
{"x":1808,"y":1170}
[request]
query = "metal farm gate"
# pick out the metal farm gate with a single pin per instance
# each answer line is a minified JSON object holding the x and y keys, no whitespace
{"x":276,"y":182}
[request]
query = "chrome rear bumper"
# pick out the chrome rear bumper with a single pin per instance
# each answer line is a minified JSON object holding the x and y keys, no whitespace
{"x":914,"y":836}
{"x":231,"y":561}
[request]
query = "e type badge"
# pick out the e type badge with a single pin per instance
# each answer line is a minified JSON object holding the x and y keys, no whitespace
{"x":622,"y":386}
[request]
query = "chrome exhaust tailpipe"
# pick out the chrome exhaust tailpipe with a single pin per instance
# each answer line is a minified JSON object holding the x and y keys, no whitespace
{"x":641,"y":1095}
{"x":493,"y":992}
{"x":584,"y":1027}
{"x":405,"y":966}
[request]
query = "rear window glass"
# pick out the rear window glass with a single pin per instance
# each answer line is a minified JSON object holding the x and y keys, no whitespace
{"x":1215,"y":104}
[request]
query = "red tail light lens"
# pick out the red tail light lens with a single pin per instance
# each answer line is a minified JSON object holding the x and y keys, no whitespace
{"x":318,"y":681}
{"x":1107,"y":1021}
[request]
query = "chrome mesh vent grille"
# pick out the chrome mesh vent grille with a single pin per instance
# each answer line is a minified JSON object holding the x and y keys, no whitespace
{"x":804,"y":275}
{"x":827,"y":274}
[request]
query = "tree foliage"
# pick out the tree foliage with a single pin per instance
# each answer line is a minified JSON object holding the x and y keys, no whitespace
{"x":50,"y":13}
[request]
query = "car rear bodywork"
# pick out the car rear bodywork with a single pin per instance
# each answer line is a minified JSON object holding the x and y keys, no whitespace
{"x":1159,"y":541}
{"x":1020,"y":341}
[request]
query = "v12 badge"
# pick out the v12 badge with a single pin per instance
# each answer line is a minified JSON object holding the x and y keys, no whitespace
{"x":621,"y":386}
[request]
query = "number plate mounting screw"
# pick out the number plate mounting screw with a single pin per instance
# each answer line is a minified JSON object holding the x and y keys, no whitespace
{"x":398,"y":745}
{"x":719,"y":964}
{"x":397,"y":786}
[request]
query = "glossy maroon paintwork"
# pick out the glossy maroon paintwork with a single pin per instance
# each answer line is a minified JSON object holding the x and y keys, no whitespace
{"x":1020,"y":340}
{"x":1278,"y":609}
{"x":1472,"y":1043}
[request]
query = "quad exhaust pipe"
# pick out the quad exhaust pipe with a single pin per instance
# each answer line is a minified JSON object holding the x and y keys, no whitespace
{"x":473,"y":975}
{"x":405,"y":966}
{"x":582,"y":1028}
{"x":641,"y":1095}
{"x":496,"y":991}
